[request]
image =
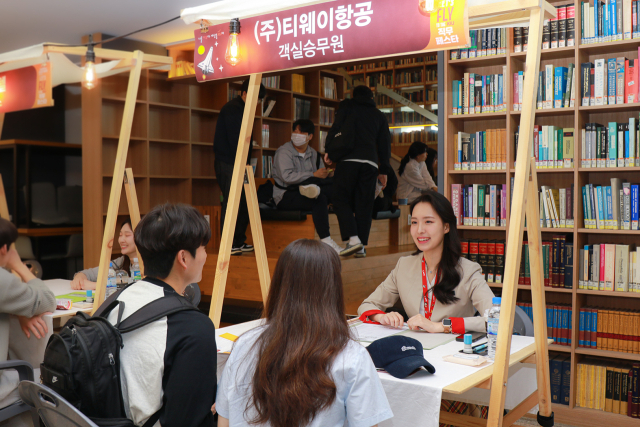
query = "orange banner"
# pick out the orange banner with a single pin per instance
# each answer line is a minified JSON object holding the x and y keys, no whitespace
{"x":26,"y":88}
{"x":450,"y":20}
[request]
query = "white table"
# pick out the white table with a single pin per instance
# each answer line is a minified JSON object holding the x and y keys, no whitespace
{"x":416,"y":400}
{"x":32,"y":349}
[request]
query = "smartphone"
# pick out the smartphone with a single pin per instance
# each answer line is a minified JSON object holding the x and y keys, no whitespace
{"x":475,"y":336}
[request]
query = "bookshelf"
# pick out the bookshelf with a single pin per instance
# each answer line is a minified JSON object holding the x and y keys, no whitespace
{"x":573,"y":117}
{"x":171,"y":147}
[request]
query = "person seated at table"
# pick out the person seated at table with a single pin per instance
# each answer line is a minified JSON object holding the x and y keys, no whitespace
{"x":167,"y":368}
{"x":414,"y":175}
{"x":24,"y":296}
{"x":302,"y":368}
{"x":86,"y":279}
{"x":439,"y":290}
{"x":301,"y":180}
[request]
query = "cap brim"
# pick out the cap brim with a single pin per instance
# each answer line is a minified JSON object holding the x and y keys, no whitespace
{"x":402,"y":368}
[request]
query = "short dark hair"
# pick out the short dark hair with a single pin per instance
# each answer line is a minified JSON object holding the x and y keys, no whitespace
{"x":8,"y":233}
{"x":245,"y":88}
{"x":306,"y":125}
{"x":166,"y":230}
{"x":362,"y":91}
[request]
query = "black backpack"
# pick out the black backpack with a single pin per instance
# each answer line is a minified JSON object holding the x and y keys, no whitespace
{"x":340,"y":140}
{"x":82,"y":362}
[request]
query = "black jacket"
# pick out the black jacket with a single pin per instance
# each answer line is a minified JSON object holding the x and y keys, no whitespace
{"x":372,"y":132}
{"x":225,"y":141}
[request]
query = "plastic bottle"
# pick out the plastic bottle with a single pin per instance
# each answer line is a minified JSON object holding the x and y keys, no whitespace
{"x":122,"y":278}
{"x":111,"y":281}
{"x":492,"y":327}
{"x":135,"y":270}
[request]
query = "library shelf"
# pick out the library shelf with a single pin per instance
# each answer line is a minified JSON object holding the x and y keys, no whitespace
{"x":610,"y":47}
{"x":275,"y":89}
{"x":609,"y":293}
{"x":483,"y":61}
{"x":609,"y":170}
{"x":274,"y":119}
{"x":603,"y":231}
{"x":132,"y":138}
{"x":305,"y":95}
{"x":528,"y":288}
{"x":481,"y":228}
{"x":205,"y":110}
{"x":560,"y":348}
{"x":476,"y":172}
{"x":610,"y":108}
{"x":549,"y":170}
{"x":549,"y":112}
{"x":203,"y":177}
{"x":555,"y":230}
{"x":171,"y":141}
{"x":608,"y":353}
{"x":163,"y":105}
{"x":479,"y":116}
{"x":414,"y":65}
{"x":557,"y":53}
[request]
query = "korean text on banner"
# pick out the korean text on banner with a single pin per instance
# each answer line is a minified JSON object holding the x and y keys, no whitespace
{"x":26,"y":88}
{"x":332,"y":32}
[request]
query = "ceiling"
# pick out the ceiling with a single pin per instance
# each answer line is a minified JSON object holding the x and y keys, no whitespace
{"x":28,"y":22}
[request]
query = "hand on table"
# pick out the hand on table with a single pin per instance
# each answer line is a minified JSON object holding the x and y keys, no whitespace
{"x":80,"y":282}
{"x":419,"y":322}
{"x":35,"y":324}
{"x":392,"y":319}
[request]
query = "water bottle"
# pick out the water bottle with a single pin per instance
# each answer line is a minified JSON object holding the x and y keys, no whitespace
{"x":111,"y":281}
{"x":135,"y":270}
{"x":122,"y":278}
{"x":492,"y":327}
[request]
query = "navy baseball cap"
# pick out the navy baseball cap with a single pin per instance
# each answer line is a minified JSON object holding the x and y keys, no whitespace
{"x":399,"y":355}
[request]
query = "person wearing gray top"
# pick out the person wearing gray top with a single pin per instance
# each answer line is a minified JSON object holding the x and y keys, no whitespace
{"x":301,"y":180}
{"x":26,"y":297}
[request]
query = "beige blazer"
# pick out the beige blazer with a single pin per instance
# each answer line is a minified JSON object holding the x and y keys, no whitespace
{"x":405,"y":282}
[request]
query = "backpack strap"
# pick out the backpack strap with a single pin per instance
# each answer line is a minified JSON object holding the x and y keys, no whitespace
{"x":155,"y":310}
{"x":153,"y":418}
{"x":110,"y":303}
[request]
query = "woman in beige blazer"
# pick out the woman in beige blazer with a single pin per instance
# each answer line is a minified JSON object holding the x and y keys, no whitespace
{"x":439,"y":290}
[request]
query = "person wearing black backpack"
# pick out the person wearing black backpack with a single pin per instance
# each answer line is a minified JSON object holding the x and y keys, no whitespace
{"x":359,"y":144}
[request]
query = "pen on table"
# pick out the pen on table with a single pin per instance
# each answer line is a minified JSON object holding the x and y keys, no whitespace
{"x":480,"y":348}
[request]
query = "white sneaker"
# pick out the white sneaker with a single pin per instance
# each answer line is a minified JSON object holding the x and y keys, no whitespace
{"x":311,"y":191}
{"x":332,"y":243}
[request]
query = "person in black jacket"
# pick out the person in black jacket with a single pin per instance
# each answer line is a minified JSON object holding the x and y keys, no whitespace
{"x":356,"y":174}
{"x":225,"y":145}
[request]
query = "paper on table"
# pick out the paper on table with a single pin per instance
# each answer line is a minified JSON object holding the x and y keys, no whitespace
{"x":428,"y":340}
{"x":369,"y":332}
{"x":74,"y":296}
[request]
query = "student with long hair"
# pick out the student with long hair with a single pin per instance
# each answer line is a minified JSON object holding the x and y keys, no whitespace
{"x":440,"y":291}
{"x":414,"y":178}
{"x":301,"y":368}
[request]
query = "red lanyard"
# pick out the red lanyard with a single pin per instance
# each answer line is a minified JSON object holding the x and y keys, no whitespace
{"x":428,"y":308}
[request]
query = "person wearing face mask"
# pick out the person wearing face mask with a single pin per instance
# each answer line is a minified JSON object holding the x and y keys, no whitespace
{"x":440,"y":290}
{"x":301,"y":180}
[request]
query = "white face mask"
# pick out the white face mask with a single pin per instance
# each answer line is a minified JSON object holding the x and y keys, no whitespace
{"x":298,"y":139}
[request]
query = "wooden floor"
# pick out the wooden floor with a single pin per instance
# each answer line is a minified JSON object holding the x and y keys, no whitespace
{"x":360,"y":275}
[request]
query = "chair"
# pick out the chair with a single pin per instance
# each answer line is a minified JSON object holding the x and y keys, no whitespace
{"x":51,"y":407}
{"x":25,"y":373}
{"x":70,"y":203}
{"x":522,"y":324}
{"x":44,"y":209}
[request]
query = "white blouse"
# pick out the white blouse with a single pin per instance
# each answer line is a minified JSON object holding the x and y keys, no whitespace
{"x":414,"y":180}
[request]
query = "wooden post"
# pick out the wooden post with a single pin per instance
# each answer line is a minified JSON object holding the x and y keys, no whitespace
{"x":1,"y":123}
{"x":134,"y":207}
{"x":244,"y":145}
{"x":4,"y":206}
{"x":118,"y":176}
{"x":256,"y":231}
{"x":516,"y":223}
{"x":538,"y":303}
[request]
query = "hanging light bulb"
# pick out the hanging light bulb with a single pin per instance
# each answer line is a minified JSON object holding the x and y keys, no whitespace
{"x":232,"y":55}
{"x":89,"y":67}
{"x":426,"y":6}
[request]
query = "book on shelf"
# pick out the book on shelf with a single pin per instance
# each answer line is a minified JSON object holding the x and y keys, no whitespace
{"x":558,"y":321}
{"x":608,"y":21}
{"x":265,"y":136}
{"x":483,"y":150}
{"x":267,"y":166}
{"x":479,"y":94}
{"x":328,"y":88}
{"x":484,"y":42}
{"x":556,"y":207}
{"x":553,"y":147}
{"x":302,"y":108}
{"x":609,"y":329}
{"x":480,"y":205}
{"x":608,"y":387}
{"x":613,"y":207}
{"x":609,"y":267}
{"x":272,"y":82}
{"x":489,"y":254}
{"x":609,"y":81}
{"x":327,"y":115}
{"x":560,"y":378}
{"x":268,"y":105}
{"x":297,"y":83}
{"x":556,"y":88}
{"x":612,"y":145}
{"x":322,"y":140}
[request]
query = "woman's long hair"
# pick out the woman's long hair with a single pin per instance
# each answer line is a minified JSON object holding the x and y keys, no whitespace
{"x":415,"y":150}
{"x":448,"y":274}
{"x":306,"y":330}
{"x":126,"y":263}
{"x":432,"y":156}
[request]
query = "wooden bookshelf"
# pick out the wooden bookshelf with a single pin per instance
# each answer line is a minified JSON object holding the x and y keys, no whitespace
{"x":171,"y":146}
{"x":575,"y":117}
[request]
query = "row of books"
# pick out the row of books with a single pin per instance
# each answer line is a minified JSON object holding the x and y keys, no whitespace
{"x":609,"y":81}
{"x":265,"y":136}
{"x":419,"y":60}
{"x":267,"y":165}
{"x":480,"y":205}
{"x":556,"y":207}
{"x":610,"y":146}
{"x":409,"y":137}
{"x":384,"y":99}
{"x":408,"y":117}
{"x":297,"y":83}
{"x":328,"y":88}
{"x":379,"y":79}
{"x":557,"y":263}
{"x":612,"y":330}
{"x":272,"y":82}
{"x":561,"y":30}
{"x":611,"y":207}
{"x":483,"y":150}
{"x":322,"y":138}
{"x":609,"y":388}
{"x":556,"y":88}
{"x":610,"y":20}
{"x":409,"y":77}
{"x":560,"y":376}
{"x":477,"y":94}
{"x":609,"y":267}
{"x":183,"y":68}
{"x":234,"y":93}
{"x":485,"y":42}
{"x":327,"y":115}
{"x":489,"y":254}
{"x":558,"y":321}
{"x":302,"y":108}
{"x":553,"y":146}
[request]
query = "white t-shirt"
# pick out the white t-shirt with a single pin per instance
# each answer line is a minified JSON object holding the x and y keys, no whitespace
{"x":360,"y":400}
